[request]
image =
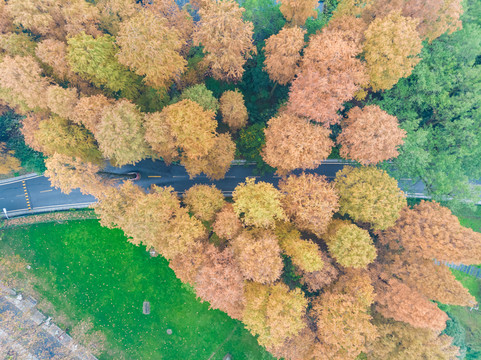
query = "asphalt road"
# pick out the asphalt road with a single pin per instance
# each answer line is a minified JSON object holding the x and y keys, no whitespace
{"x":34,"y":194}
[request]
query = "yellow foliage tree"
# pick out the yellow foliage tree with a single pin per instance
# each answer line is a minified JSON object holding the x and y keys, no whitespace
{"x":273,"y":312}
{"x":204,"y":201}
{"x":120,"y":134}
{"x":258,"y":204}
{"x":226,"y":38}
{"x":8,"y":162}
{"x":283,"y":54}
{"x":62,"y":101}
{"x":233,"y":110}
{"x":350,"y":245}
{"x":150,"y":47}
{"x":369,"y":195}
{"x":305,"y":254}
{"x":391,"y":48}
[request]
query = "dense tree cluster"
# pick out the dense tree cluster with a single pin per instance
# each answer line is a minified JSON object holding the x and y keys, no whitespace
{"x":316,"y":269}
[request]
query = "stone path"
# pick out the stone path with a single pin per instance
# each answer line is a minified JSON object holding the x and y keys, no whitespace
{"x":467,"y":269}
{"x":47,"y":340}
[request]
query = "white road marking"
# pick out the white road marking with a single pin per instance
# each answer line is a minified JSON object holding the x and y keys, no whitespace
{"x":20,"y":180}
{"x":46,"y":190}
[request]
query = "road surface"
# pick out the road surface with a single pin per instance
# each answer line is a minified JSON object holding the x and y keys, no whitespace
{"x":34,"y":194}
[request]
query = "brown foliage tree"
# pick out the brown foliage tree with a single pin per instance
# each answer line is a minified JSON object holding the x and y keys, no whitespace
{"x":297,"y":347}
{"x":156,"y":219}
{"x":54,"y":53}
{"x":370,"y":135}
{"x":226,"y":38}
{"x":258,"y":254}
{"x":434,"y":17}
{"x":113,"y":12}
{"x":398,"y":301}
{"x":67,"y":173}
{"x":89,"y":111}
{"x":310,"y":201}
{"x":400,"y":341}
{"x":204,"y":201}
{"x":186,"y":264}
{"x":55,"y":18}
{"x":434,"y":281}
{"x":62,"y":101}
{"x":273,"y":312}
{"x":391,"y":48}
{"x":432,"y":231}
{"x":282,"y":52}
{"x":58,"y":135}
{"x":8,"y":162}
{"x":298,"y":11}
{"x":258,"y":204}
{"x":30,"y":125}
{"x":343,"y":323}
{"x":227,"y":225}
{"x":150,"y":47}
{"x":293,"y":143}
{"x":233,"y":110}
{"x":316,"y":280}
{"x":369,"y":195}
{"x":22,"y":83}
{"x":220,"y":282}
{"x":330,"y":75}
{"x":120,"y":134}
{"x":178,"y":19}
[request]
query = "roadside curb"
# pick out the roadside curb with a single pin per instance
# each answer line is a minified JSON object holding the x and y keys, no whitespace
{"x":18,"y":178}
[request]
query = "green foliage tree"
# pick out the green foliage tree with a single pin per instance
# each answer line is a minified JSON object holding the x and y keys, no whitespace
{"x":438,"y":107}
{"x":95,"y":59}
{"x":202,"y":96}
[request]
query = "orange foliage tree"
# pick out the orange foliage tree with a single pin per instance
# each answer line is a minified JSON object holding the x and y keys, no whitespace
{"x":310,"y":201}
{"x":391,"y":48}
{"x":68,"y":173}
{"x":343,"y":322}
{"x":89,"y":111}
{"x":298,"y":11}
{"x":293,"y":142}
{"x":220,"y":282}
{"x":369,"y":195}
{"x":398,"y":301}
{"x":330,"y":75}
{"x":233,"y":110}
{"x":432,"y":231}
{"x":150,"y":47}
{"x":316,"y":280}
{"x":226,"y":38}
{"x":227,"y":225}
{"x":283,"y":54}
{"x":62,"y":101}
{"x":259,"y":255}
{"x":370,"y":135}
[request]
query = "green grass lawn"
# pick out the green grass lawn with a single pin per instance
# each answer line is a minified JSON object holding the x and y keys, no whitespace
{"x":469,"y":320}
{"x":94,"y":272}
